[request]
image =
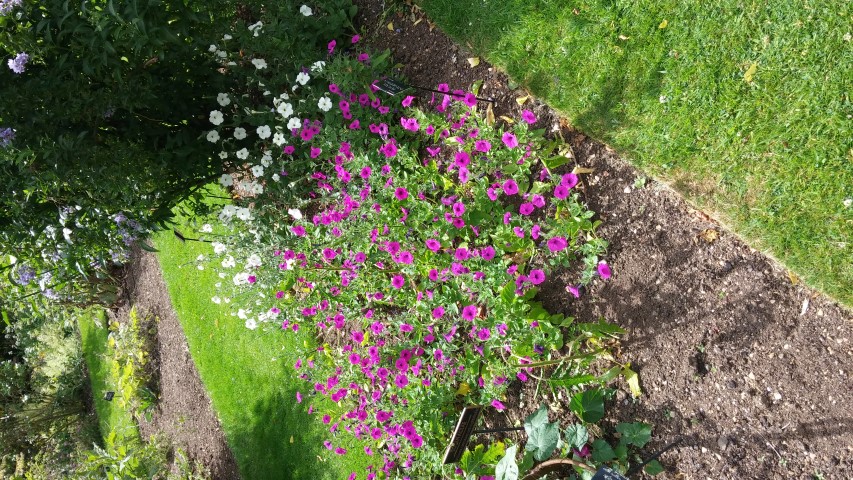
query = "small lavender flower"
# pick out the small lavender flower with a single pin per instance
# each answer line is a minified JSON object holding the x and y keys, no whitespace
{"x":18,"y":63}
{"x":6,"y":6}
{"x":25,"y":275}
{"x":6,"y":135}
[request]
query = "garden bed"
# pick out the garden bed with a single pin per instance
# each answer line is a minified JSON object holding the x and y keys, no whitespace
{"x":734,"y":354}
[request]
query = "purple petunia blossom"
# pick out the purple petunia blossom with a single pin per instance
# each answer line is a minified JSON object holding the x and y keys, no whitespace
{"x":556,"y":244}
{"x":498,"y":405}
{"x":569,"y":180}
{"x":561,"y":192}
{"x":437,"y":312}
{"x":433,"y":244}
{"x":398,"y":281}
{"x":574,"y":290}
{"x":470,"y":312}
{"x":401,"y":193}
{"x":526,"y":208}
{"x":510,"y":187}
{"x":509,"y":140}
{"x":604,"y":270}
{"x":6,"y":6}
{"x":487,"y":253}
{"x":528,"y":117}
{"x":6,"y":136}
{"x":536,"y":276}
{"x":482,"y":146}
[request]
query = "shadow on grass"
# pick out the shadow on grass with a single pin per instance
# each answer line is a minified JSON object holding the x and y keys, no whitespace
{"x":282,"y":441}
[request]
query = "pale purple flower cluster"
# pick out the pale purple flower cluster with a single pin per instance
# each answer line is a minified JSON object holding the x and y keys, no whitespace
{"x":6,"y":137}
{"x":25,"y":275}
{"x":18,"y":63}
{"x":6,"y":6}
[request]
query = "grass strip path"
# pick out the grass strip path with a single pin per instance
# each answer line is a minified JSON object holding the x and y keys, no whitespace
{"x":248,"y":375}
{"x":744,"y":107}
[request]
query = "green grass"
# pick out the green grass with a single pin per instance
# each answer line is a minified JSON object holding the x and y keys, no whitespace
{"x":249,"y":376}
{"x":94,"y":333}
{"x":771,"y":157}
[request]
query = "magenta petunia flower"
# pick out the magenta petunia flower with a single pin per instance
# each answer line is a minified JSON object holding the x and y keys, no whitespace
{"x":398,"y":281}
{"x":401,"y":193}
{"x":484,"y":334}
{"x":458,"y":222}
{"x":331,"y":46}
{"x":498,"y":405}
{"x":470,"y":312}
{"x":298,"y":397}
{"x":470,"y":99}
{"x":509,"y":140}
{"x":518,"y":231}
{"x":487,"y":253}
{"x":298,"y":230}
{"x":329,"y":254}
{"x":556,"y":244}
{"x":407,"y":101}
{"x":433,"y":244}
{"x":510,"y":187}
{"x":482,"y":146}
{"x":492,"y":193}
{"x":561,"y":192}
{"x":575,"y":290}
{"x":462,"y":159}
{"x":536,"y":276}
{"x":526,"y":208}
{"x":528,"y":117}
{"x":604,"y":270}
{"x":569,"y":180}
{"x":458,"y":209}
{"x":389,"y":149}
{"x":437,"y":312}
{"x":401,"y":380}
{"x":462,"y":254}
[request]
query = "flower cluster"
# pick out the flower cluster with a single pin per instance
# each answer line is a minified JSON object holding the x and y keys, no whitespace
{"x":6,"y":137}
{"x":18,"y":64}
{"x":6,"y":6}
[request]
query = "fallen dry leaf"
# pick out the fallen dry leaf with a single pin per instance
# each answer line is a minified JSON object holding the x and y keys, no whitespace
{"x":709,"y":235}
{"x":490,"y":115}
{"x":750,"y":72}
{"x":522,"y":100}
{"x":507,"y":119}
{"x":793,"y":278}
{"x":474,"y":61}
{"x":582,"y":170}
{"x":391,"y":26}
{"x":663,"y":24}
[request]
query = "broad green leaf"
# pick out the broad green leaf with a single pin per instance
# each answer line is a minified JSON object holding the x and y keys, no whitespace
{"x":507,"y":469}
{"x":496,"y":450}
{"x":637,"y":434}
{"x":576,"y":435}
{"x":653,"y":468}
{"x":543,"y":440}
{"x":536,"y":419}
{"x":568,"y":382}
{"x":602,"y":451}
{"x":588,"y":405}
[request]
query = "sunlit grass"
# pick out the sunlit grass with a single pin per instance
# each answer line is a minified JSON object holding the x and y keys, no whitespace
{"x":743,"y":107}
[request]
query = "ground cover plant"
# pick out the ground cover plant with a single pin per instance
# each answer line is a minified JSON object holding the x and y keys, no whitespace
{"x":409,"y":243}
{"x":743,"y":108}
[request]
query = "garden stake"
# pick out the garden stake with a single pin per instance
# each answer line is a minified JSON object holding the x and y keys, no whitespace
{"x":393,"y":87}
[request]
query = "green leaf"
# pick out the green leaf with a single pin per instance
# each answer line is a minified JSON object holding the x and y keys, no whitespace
{"x":147,"y":247}
{"x":588,"y":405}
{"x":495,"y":451}
{"x":568,"y":382}
{"x":601,"y":329}
{"x":637,"y":434}
{"x":653,"y":468}
{"x":536,"y":419}
{"x":577,"y":435}
{"x":555,"y":161}
{"x":507,"y":469}
{"x":602,"y":451}
{"x":543,"y":440}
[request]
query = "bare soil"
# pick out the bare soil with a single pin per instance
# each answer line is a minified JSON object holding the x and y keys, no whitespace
{"x":184,"y":413}
{"x":750,"y":367}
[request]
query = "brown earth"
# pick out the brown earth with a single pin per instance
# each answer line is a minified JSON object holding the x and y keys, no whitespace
{"x":751,"y":369}
{"x":184,"y":413}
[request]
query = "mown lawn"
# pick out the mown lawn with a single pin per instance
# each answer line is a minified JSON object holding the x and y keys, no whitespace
{"x":248,"y":374}
{"x":742,"y":106}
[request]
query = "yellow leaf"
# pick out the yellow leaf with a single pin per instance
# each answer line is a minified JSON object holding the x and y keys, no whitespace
{"x":291,"y":439}
{"x":663,"y":24}
{"x":464,"y":389}
{"x":522,"y":100}
{"x":750,"y":72}
{"x":490,"y":115}
{"x":390,"y":25}
{"x":709,"y":235}
{"x":474,"y":61}
{"x":582,"y":170}
{"x":507,"y":119}
{"x":633,"y":380}
{"x":793,"y":277}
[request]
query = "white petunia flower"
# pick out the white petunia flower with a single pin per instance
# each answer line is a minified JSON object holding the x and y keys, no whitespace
{"x":266,"y":160}
{"x":306,"y":10}
{"x":279,"y":139}
{"x":285,"y":109}
{"x":227,"y":37}
{"x":212,"y":48}
{"x":219,"y":248}
{"x":216,"y":300}
{"x":242,"y":154}
{"x":264,"y":132}
{"x":318,"y":66}
{"x":284,"y":96}
{"x":294,"y":123}
{"x":213,"y":136}
{"x":253,"y":261}
{"x":259,"y":63}
{"x":229,"y":262}
{"x":295,"y":213}
{"x":223,"y":155}
{"x":275,"y":177}
{"x":251,"y":324}
{"x":239,"y":133}
{"x":221,"y":53}
{"x":257,"y":188}
{"x":244,"y":213}
{"x":324,"y":104}
{"x":216,"y":117}
{"x":223,"y":99}
{"x":226,"y":180}
{"x":256,"y":28}
{"x":258,"y":170}
{"x":302,"y":78}
{"x":206,"y":228}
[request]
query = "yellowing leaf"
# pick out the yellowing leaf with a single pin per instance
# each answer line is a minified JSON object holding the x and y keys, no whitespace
{"x":793,"y":277}
{"x":522,"y":100}
{"x":633,"y":381}
{"x":390,"y":25}
{"x":582,"y":170}
{"x":464,"y":389}
{"x":750,"y":72}
{"x":474,"y":61}
{"x":663,"y":24}
{"x":507,"y":119}
{"x":291,"y":439}
{"x":709,"y":235}
{"x":490,"y":115}
{"x":366,"y":339}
